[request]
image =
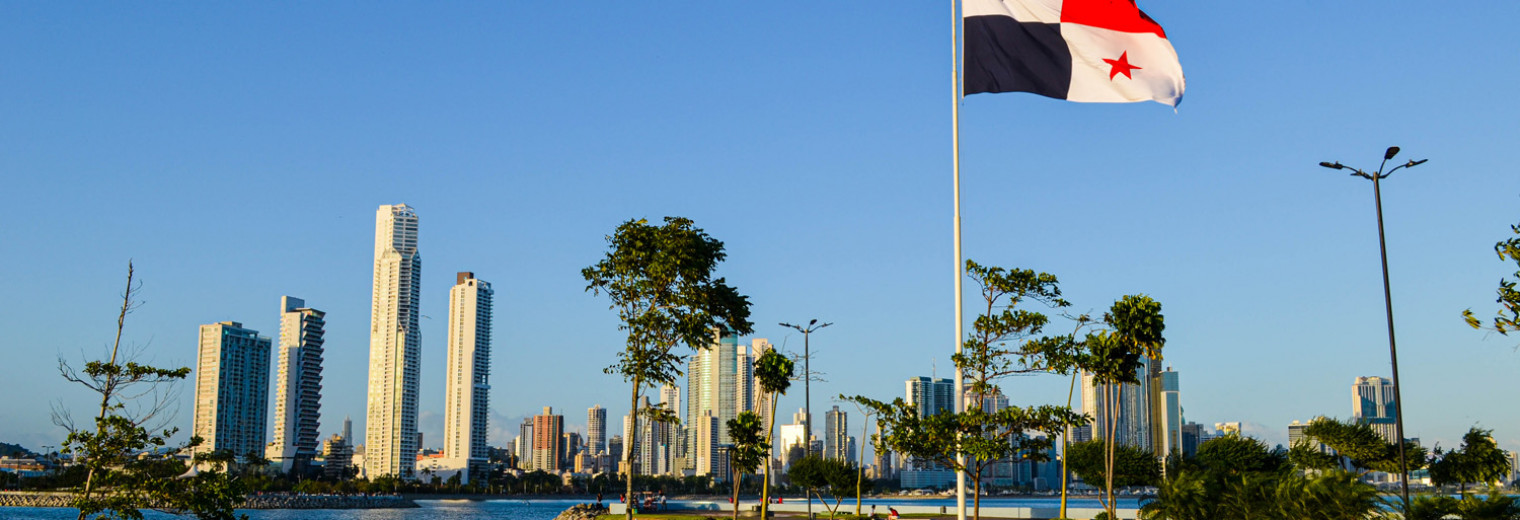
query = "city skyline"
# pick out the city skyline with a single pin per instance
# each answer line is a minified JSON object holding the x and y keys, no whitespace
{"x":1261,"y":259}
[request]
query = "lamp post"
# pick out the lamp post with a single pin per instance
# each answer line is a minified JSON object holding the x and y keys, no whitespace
{"x":807,"y":395}
{"x":1393,"y":352}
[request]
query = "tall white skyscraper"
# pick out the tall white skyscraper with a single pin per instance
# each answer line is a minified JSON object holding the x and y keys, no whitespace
{"x":1169,"y":421}
{"x":1372,"y":403}
{"x":469,"y":376}
{"x":836,"y":435}
{"x":298,"y":384}
{"x":231,"y":389}
{"x":395,"y":346}
{"x":596,"y":429}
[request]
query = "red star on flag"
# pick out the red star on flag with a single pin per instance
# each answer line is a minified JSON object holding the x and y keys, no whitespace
{"x":1120,"y":66}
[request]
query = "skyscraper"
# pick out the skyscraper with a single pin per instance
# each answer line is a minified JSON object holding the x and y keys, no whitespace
{"x":1372,"y":403}
{"x":670,"y":398}
{"x":1135,"y":406}
{"x":298,"y":395}
{"x":395,"y":346}
{"x":712,"y":389}
{"x":759,"y":402}
{"x":548,"y":433}
{"x":596,"y":429}
{"x":836,"y":435}
{"x":231,"y":389}
{"x":931,"y":396}
{"x":707,"y":446}
{"x":525,"y":444}
{"x":468,"y":380}
{"x":1168,"y":423}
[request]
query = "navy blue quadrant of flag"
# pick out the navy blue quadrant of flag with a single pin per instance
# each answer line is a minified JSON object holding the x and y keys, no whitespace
{"x":1006,"y":55}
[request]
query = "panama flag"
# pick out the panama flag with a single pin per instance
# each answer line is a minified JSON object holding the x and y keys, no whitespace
{"x":1096,"y":51}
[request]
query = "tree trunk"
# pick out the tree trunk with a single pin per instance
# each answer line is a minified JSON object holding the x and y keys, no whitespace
{"x":765,"y":488}
{"x":110,"y":386}
{"x":1113,"y":413}
{"x":738,"y":477}
{"x":977,"y":499}
{"x":628,"y":444}
{"x":860,"y":460}
{"x":1065,"y":443}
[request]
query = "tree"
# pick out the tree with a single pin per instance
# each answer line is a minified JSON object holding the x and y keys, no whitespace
{"x":1003,"y":342}
{"x":817,"y":474}
{"x":1479,"y":459}
{"x":1114,"y":357}
{"x":1357,"y":447}
{"x":748,"y":452}
{"x":1132,"y":466}
{"x":130,"y":463}
{"x":660,"y":281}
{"x":1508,"y":318}
{"x":1235,"y":454}
{"x":773,"y":372}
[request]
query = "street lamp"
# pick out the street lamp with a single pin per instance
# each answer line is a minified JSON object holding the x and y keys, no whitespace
{"x":807,"y":395}
{"x":1393,"y":352}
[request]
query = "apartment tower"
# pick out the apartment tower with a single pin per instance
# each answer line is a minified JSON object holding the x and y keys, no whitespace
{"x":395,"y":346}
{"x":596,"y":429}
{"x":465,"y":392}
{"x":836,"y":435}
{"x":298,"y":386}
{"x":231,"y":389}
{"x":548,"y":433}
{"x":1372,"y":403}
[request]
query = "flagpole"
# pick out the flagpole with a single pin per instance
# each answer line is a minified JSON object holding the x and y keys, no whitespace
{"x":955,"y":140}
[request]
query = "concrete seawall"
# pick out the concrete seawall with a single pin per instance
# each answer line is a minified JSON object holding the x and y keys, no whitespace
{"x":279,"y":501}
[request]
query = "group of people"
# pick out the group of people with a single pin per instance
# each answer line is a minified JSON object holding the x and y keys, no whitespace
{"x":642,"y":501}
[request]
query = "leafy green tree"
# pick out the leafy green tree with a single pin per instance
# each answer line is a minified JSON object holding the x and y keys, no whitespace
{"x":1235,"y":454}
{"x":1005,"y":340}
{"x":748,"y":452}
{"x":817,"y":474}
{"x":129,"y":462}
{"x":1133,"y":466}
{"x":1263,"y":495}
{"x":1114,"y":358}
{"x":1358,"y":447}
{"x":1508,"y":318}
{"x":1479,"y":459}
{"x":773,"y":372}
{"x":660,"y":280}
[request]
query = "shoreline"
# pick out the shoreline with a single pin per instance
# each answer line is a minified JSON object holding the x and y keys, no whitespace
{"x":54,"y":499}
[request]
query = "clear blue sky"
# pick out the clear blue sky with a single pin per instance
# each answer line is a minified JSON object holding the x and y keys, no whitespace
{"x":238,"y":152}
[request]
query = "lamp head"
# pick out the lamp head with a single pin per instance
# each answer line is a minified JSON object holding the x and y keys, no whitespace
{"x":1392,"y":151}
{"x":815,"y":320}
{"x":1415,"y":163}
{"x":1333,"y":166}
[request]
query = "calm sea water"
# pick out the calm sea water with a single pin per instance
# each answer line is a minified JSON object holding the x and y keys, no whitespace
{"x":517,"y":509}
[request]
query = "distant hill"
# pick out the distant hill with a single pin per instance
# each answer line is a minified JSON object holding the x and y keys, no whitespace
{"x":11,"y":450}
